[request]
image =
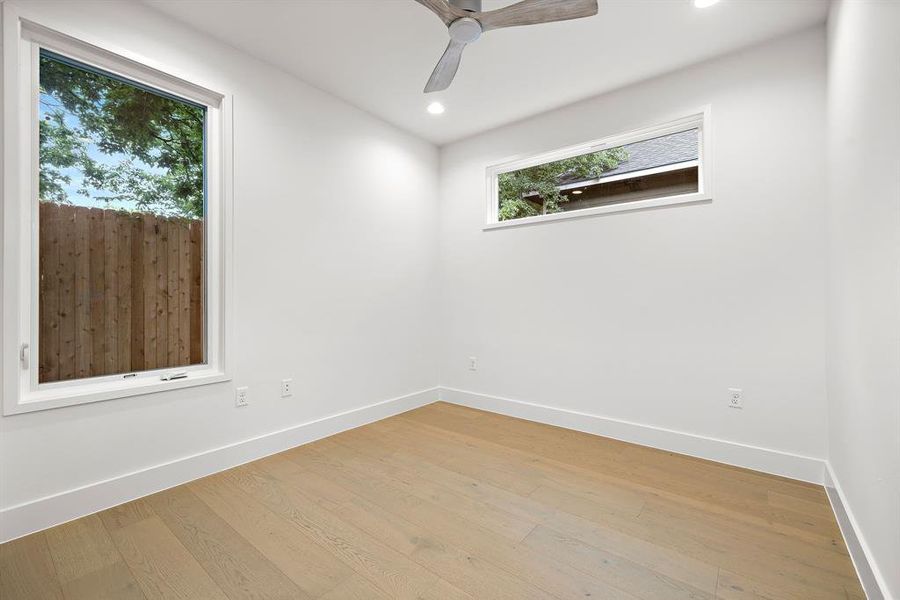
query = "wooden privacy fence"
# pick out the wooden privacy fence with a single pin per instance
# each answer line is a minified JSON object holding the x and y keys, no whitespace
{"x":119,"y":292}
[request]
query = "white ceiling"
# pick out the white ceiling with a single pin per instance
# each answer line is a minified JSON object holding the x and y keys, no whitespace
{"x":378,"y":54}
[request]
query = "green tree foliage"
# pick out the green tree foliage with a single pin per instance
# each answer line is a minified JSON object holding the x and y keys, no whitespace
{"x":160,"y":138}
{"x":535,"y":190}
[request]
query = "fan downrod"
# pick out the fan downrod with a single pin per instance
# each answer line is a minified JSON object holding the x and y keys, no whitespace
{"x":467,"y":5}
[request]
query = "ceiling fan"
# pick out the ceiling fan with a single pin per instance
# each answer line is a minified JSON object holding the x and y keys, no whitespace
{"x":466,"y":23}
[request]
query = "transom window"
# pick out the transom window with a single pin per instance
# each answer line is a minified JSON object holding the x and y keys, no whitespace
{"x":652,"y":167}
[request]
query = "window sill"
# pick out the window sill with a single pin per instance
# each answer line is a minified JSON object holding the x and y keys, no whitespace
{"x":84,"y":392}
{"x":602,"y":210}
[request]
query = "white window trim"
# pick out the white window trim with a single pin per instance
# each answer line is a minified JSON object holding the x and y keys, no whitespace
{"x":698,"y":120}
{"x":21,"y":391}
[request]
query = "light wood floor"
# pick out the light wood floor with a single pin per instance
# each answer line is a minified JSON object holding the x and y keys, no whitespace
{"x":446,"y":502}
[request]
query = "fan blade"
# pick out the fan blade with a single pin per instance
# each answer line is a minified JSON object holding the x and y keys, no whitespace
{"x":445,"y":70}
{"x":532,"y":12}
{"x":443,"y":10}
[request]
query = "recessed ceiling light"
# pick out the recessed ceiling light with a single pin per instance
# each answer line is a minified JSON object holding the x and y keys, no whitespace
{"x":435,"y":108}
{"x":704,"y":3}
{"x":576,"y":191}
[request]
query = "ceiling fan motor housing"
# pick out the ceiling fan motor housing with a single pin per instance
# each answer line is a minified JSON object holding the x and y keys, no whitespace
{"x":465,"y":30}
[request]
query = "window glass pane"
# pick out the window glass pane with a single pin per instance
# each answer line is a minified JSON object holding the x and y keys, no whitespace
{"x":121,"y":225}
{"x":655,"y":168}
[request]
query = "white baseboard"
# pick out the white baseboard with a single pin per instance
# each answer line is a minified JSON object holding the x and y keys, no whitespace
{"x":22,"y":519}
{"x":867,"y":569}
{"x":776,"y":462}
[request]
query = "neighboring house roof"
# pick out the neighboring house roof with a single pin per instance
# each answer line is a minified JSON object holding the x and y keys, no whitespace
{"x":649,"y":154}
{"x":657,"y":152}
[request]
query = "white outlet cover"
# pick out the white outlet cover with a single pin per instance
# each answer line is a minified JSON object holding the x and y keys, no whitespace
{"x":240,"y":396}
{"x":735,"y":398}
{"x":287,"y":388}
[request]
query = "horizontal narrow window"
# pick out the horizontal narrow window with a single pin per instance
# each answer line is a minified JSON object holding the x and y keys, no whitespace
{"x":654,"y":165}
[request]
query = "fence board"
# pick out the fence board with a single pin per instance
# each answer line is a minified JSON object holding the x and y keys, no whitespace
{"x":110,"y":290}
{"x":137,"y":295}
{"x":172,"y":295}
{"x":83,"y":349}
{"x":98,"y":287}
{"x":67,"y":298}
{"x":118,"y":292}
{"x":48,"y":310}
{"x":197,"y":300}
{"x":184,"y":295}
{"x":123,"y":293}
{"x":149,"y":281}
{"x":162,"y":305}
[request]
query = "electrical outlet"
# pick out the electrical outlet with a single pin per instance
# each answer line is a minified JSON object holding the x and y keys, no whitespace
{"x":287,"y":388}
{"x":240,"y":396}
{"x":735,"y":398}
{"x":473,"y":363}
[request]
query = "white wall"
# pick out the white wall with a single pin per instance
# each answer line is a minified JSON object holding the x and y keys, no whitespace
{"x":651,"y":316}
{"x":864,"y":283}
{"x":335,"y":267}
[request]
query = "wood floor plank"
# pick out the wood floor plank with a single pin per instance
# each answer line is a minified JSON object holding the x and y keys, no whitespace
{"x":88,"y":564}
{"x":385,"y":526}
{"x":450,"y":503}
{"x":27,"y":571}
{"x":80,"y":547}
{"x":112,"y":582}
{"x":480,"y":577}
{"x":126,"y":514}
{"x":314,"y":569}
{"x":234,"y":564}
{"x":624,"y":573}
{"x":815,"y":508}
{"x":163,"y":567}
{"x":356,"y":588}
{"x":386,"y":568}
{"x":742,"y":545}
{"x":732,"y":586}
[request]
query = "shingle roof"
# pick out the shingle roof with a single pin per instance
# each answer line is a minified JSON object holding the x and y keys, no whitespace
{"x":665,"y":150}
{"x":658,"y":152}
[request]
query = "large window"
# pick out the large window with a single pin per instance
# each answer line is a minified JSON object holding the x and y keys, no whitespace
{"x":652,"y":167}
{"x":118,"y":203}
{"x":122,"y":203}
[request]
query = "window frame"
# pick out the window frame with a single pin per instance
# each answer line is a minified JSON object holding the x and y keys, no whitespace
{"x":22,"y":41}
{"x":696,"y":120}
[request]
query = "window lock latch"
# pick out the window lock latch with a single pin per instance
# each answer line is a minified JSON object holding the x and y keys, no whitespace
{"x":23,"y":355}
{"x":173,"y":376}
